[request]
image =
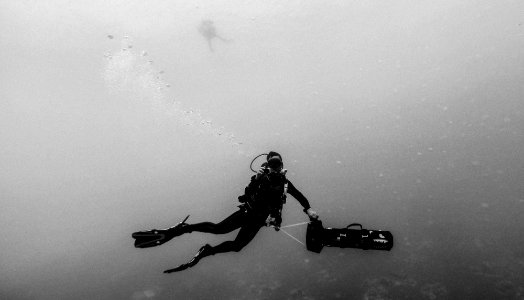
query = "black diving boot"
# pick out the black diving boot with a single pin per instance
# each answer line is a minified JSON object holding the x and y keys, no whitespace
{"x":157,"y":237}
{"x":178,"y":229}
{"x":206,"y":250}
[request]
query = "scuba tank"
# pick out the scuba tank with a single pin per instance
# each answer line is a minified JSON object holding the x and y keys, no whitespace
{"x":317,"y":237}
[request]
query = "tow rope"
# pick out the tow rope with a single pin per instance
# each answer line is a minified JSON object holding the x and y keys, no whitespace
{"x":294,"y":238}
{"x":290,"y":235}
{"x":293,"y":225}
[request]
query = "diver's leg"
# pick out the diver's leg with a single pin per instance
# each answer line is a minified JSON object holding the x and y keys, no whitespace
{"x":229,"y":224}
{"x":245,"y":235}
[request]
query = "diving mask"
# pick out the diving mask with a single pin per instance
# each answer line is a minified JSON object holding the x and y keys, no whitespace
{"x":275,"y":163}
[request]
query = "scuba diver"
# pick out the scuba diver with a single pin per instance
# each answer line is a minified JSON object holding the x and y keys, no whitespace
{"x":208,"y":30}
{"x":261,"y":205}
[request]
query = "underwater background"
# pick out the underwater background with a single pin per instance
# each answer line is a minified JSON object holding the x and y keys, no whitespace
{"x":118,"y":116}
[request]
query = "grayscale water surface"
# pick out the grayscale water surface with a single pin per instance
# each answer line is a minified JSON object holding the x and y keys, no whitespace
{"x":116,"y":116}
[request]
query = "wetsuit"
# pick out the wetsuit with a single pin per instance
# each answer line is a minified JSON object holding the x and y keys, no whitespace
{"x":262,"y":196}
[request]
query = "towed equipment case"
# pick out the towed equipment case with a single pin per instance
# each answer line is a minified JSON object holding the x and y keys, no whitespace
{"x":317,"y":237}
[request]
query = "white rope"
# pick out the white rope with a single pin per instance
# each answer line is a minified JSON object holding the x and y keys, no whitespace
{"x":291,"y":236}
{"x":293,"y":225}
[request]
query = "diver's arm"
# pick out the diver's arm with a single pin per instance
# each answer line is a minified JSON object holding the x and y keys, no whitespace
{"x":292,"y":190}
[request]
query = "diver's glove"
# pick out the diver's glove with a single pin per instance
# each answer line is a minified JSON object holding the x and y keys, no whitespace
{"x":274,"y":221}
{"x":311,"y":213}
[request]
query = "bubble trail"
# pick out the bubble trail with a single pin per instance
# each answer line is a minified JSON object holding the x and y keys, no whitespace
{"x":129,"y":72}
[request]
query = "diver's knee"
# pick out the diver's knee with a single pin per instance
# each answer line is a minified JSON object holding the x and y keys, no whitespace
{"x":238,"y":246}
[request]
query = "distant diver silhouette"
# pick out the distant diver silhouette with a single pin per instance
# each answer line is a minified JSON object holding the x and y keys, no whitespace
{"x":208,"y":30}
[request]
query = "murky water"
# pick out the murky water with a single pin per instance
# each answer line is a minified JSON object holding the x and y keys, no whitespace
{"x":118,"y":116}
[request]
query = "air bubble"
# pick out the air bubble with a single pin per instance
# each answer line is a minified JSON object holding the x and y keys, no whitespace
{"x":130,"y":71}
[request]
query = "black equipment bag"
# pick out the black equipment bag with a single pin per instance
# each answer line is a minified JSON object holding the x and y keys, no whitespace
{"x":317,"y":237}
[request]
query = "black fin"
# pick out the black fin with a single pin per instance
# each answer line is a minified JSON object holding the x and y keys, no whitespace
{"x":204,"y":251}
{"x":157,"y":237}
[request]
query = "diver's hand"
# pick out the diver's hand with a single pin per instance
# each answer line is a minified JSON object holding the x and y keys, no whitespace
{"x":261,"y":172}
{"x":312,"y":214}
